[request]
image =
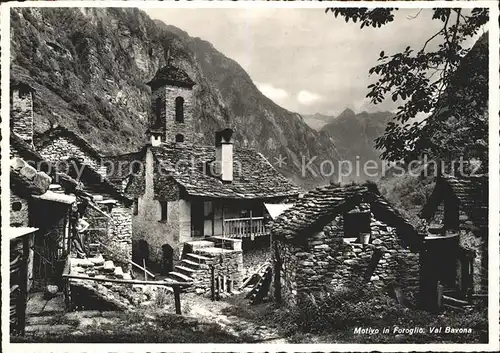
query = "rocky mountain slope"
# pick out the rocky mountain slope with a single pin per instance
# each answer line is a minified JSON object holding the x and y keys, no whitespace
{"x":89,"y":68}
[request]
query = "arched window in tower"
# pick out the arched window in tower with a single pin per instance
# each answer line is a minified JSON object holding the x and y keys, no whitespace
{"x":157,"y":122}
{"x":179,"y":109}
{"x":179,"y":138}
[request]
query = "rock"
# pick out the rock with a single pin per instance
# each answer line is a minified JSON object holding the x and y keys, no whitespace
{"x":51,"y":291}
{"x":85,"y":263}
{"x":127,"y":276}
{"x":28,"y":172}
{"x":109,"y":266}
{"x":322,"y":247}
{"x":377,"y":242}
{"x":374,"y":278}
{"x":98,"y":260}
{"x":118,"y":272}
{"x":17,"y":163}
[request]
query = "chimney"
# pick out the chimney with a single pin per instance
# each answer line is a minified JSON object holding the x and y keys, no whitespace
{"x":224,"y":154}
{"x":21,"y":111}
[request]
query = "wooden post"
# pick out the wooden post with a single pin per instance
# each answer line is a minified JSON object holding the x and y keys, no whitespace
{"x":24,"y":285}
{"x":223,"y":223}
{"x":252,"y":234}
{"x":177,"y":298}
{"x":144,"y":266}
{"x":212,"y":282}
{"x":439,"y":291}
{"x":277,"y":275}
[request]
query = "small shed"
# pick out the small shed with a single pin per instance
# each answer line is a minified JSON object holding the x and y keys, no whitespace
{"x":337,"y":235}
{"x":456,"y":247}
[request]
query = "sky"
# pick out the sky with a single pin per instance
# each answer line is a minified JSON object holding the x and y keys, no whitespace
{"x":303,"y":59}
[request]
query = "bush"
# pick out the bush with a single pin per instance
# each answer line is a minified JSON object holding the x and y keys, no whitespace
{"x":348,"y":306}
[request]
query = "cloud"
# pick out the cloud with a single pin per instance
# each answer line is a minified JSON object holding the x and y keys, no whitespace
{"x":307,"y":98}
{"x":271,"y":92}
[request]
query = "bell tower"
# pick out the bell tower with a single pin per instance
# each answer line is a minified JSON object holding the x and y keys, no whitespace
{"x":171,"y":102}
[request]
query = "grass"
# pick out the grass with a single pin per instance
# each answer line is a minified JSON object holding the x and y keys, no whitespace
{"x":138,"y":327}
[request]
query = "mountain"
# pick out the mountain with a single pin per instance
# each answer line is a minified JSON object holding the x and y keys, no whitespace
{"x":89,"y":67}
{"x":317,"y":121}
{"x":354,"y":136}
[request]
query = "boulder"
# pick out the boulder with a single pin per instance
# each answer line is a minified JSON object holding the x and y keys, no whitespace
{"x":109,"y":266}
{"x":118,"y":272}
{"x":98,"y":260}
{"x":377,"y":242}
{"x":51,"y":291}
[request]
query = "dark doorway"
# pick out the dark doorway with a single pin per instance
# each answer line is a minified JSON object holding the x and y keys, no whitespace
{"x":168,"y":259}
{"x":197,"y":218}
{"x":141,"y":253}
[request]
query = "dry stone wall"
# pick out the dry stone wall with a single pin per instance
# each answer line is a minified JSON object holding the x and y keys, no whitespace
{"x":21,"y":119}
{"x":329,"y":262}
{"x":227,"y":267}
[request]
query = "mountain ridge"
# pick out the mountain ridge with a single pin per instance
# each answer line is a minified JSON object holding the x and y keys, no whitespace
{"x":89,"y":67}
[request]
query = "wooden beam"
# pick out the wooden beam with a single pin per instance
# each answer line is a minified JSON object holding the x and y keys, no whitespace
{"x":127,"y":281}
{"x":177,"y":299}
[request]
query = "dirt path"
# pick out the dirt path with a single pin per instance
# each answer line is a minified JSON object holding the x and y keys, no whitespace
{"x":224,"y":313}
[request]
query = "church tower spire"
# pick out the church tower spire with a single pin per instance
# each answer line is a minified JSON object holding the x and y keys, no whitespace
{"x":171,"y":101}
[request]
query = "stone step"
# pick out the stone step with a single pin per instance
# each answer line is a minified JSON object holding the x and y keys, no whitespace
{"x":177,"y":276}
{"x":199,"y":244}
{"x":212,"y":252}
{"x":191,"y":264}
{"x":197,"y":258}
{"x":185,"y":270}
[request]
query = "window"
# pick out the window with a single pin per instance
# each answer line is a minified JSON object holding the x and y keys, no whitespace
{"x":136,"y":207}
{"x":179,"y":109}
{"x":164,"y":211}
{"x":158,"y":112}
{"x":356,"y":223}
{"x":179,"y":138}
{"x":17,"y":206}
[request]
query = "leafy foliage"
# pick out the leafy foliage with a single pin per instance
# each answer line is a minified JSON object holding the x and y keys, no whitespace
{"x":448,"y":82}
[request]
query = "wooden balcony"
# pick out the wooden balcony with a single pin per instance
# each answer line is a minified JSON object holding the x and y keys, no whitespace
{"x":244,"y":227}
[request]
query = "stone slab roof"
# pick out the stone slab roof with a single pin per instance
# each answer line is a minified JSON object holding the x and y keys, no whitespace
{"x":91,"y":178}
{"x":171,"y":75}
{"x":188,"y":166}
{"x":26,"y":150}
{"x":471,"y":192}
{"x":43,"y":139}
{"x":319,"y":207}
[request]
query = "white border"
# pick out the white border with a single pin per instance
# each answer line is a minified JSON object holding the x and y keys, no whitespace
{"x":494,"y":209}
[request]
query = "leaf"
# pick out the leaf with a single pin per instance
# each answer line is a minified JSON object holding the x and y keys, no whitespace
{"x":394,"y":97}
{"x":382,"y":54}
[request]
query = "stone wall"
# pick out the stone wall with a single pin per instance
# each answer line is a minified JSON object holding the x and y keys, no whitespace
{"x":115,"y":233}
{"x":19,"y":215}
{"x":21,"y":115}
{"x":255,"y":254}
{"x":328,"y":261}
{"x":227,"y":266}
{"x":478,"y":245}
{"x":120,"y":233}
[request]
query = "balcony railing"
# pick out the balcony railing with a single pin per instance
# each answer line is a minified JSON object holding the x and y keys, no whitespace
{"x":244,"y":227}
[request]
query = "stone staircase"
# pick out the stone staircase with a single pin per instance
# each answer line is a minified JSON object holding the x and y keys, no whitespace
{"x":198,"y":257}
{"x":88,"y":294}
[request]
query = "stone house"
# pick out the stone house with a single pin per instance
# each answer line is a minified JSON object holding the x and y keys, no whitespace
{"x":456,"y":246}
{"x":337,"y":236}
{"x":67,"y":157}
{"x":34,"y":204}
{"x":185,"y":192}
